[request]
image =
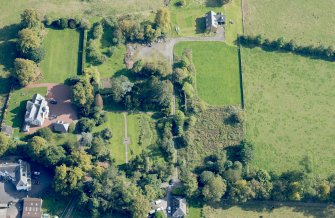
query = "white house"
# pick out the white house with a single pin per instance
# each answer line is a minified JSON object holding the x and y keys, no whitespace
{"x":18,"y":173}
{"x":37,"y":110}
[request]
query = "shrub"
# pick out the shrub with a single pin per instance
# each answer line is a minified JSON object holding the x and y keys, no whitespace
{"x":72,"y":24}
{"x":45,"y":133}
{"x":85,"y":125}
{"x":181,"y":3}
{"x":63,"y":23}
{"x":85,"y":24}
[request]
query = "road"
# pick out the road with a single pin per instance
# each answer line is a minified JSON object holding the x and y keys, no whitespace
{"x":126,"y":140}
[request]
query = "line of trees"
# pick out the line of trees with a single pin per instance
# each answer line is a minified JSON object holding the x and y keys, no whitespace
{"x":231,"y":179}
{"x":30,"y":49}
{"x":291,"y":46}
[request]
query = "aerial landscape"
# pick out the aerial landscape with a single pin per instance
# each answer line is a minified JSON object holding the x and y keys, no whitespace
{"x":167,"y":108}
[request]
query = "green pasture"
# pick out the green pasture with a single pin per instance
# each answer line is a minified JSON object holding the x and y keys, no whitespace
{"x":217,"y":71}
{"x":289,"y":103}
{"x":62,"y":55}
{"x":305,"y":21}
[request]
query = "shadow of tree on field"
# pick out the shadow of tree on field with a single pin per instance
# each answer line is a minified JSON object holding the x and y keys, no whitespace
{"x":9,"y":32}
{"x":213,"y":3}
{"x":200,"y":25}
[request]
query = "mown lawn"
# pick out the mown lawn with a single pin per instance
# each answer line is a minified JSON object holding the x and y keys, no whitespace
{"x":62,"y":55}
{"x":138,"y":125}
{"x":217,"y":71}
{"x":190,"y":21}
{"x":17,"y":105}
{"x":305,"y":21}
{"x":115,"y":122}
{"x":113,"y":64}
{"x":290,"y":103}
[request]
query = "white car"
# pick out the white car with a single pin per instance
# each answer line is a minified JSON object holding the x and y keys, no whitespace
{"x":37,"y":173}
{"x":169,"y":209}
{"x":158,"y":201}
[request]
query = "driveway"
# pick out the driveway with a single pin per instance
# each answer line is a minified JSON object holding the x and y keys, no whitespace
{"x":64,"y":110}
{"x":165,"y":49}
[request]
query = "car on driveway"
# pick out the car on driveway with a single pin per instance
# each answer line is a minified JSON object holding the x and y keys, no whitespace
{"x":53,"y":101}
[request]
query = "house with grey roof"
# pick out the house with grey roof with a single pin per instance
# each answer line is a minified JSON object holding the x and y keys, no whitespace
{"x":37,"y":110}
{"x":214,"y":20}
{"x":179,"y":207}
{"x":61,"y":126}
{"x":18,"y":173}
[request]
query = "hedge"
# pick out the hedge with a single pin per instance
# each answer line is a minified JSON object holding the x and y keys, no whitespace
{"x":291,"y":46}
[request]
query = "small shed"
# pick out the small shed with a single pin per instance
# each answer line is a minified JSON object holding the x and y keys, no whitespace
{"x":61,"y":127}
{"x":7,"y":130}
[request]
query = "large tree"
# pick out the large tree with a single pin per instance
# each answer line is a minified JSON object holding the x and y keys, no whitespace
{"x":214,"y":189}
{"x":4,"y":143}
{"x":163,"y":19}
{"x":29,"y":45}
{"x":83,"y":96}
{"x":120,"y":87}
{"x":25,"y":71}
{"x":30,"y":19}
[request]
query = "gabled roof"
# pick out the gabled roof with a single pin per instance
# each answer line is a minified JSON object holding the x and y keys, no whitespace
{"x":180,"y":211}
{"x":36,"y":110}
{"x":60,"y":126}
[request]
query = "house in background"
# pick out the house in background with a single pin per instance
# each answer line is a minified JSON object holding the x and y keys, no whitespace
{"x":32,"y":208}
{"x":37,"y":110}
{"x":214,"y":20}
{"x":179,"y":207}
{"x":61,"y":127}
{"x":18,"y":173}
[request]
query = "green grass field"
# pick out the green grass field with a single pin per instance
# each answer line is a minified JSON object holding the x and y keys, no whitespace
{"x":290,"y":103}
{"x":62,"y":54}
{"x":137,"y":123}
{"x":11,"y":10}
{"x":114,"y":64}
{"x":217,"y":71}
{"x":17,"y":106}
{"x":305,"y":21}
{"x":190,"y":19}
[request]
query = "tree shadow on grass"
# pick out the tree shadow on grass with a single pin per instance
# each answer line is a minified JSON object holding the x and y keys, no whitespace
{"x":200,"y":25}
{"x":9,"y":32}
{"x":213,"y":3}
{"x":19,"y":114}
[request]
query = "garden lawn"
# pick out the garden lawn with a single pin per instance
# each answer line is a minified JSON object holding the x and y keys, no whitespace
{"x":115,"y":122}
{"x":62,"y":55}
{"x":305,"y":21}
{"x":138,"y":124}
{"x":17,"y":105}
{"x":190,"y":20}
{"x":113,"y":64}
{"x":289,"y":103}
{"x":140,"y":132}
{"x":217,"y":71}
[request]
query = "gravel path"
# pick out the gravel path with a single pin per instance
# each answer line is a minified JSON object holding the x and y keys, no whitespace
{"x":126,"y":140}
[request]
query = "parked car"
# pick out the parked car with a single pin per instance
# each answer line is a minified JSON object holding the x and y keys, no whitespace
{"x":37,"y":173}
{"x":53,"y":101}
{"x":158,"y":201}
{"x":169,"y":209}
{"x":160,"y":209}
